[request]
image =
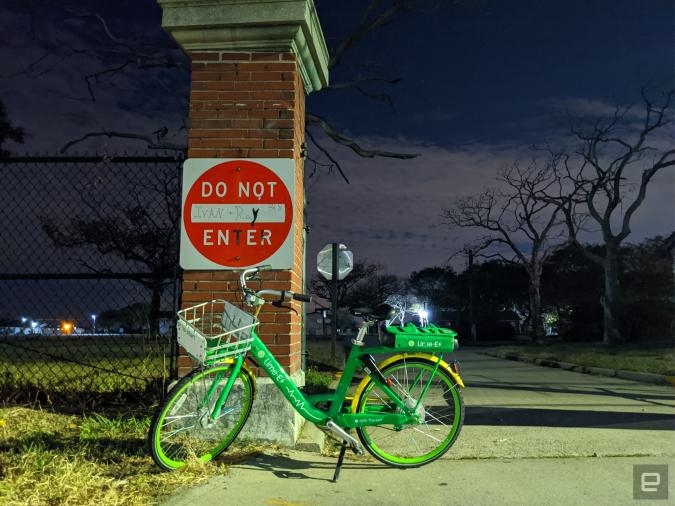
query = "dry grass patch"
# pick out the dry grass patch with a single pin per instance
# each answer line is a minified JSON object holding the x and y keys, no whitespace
{"x":47,"y":458}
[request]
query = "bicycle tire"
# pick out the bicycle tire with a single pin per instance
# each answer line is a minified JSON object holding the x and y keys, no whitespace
{"x":441,"y":414}
{"x":181,"y":431}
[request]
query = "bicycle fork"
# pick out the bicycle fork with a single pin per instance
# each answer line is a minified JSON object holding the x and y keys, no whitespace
{"x":215,"y":412}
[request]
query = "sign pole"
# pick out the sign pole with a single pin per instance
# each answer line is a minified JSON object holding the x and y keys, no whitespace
{"x":334,"y":302}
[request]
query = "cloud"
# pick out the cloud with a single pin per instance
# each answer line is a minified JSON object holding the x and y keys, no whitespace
{"x":391,"y":212}
{"x":43,"y":81}
{"x":581,"y":107}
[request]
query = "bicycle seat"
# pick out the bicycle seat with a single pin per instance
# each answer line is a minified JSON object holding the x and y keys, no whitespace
{"x":381,"y":312}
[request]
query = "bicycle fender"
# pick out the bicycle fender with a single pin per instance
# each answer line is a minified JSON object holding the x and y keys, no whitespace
{"x":394,"y":358}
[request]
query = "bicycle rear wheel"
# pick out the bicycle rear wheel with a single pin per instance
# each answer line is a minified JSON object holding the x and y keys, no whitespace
{"x":440,"y":411}
{"x":183,"y":429}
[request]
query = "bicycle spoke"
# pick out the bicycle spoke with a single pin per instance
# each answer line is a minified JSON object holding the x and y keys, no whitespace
{"x":183,"y":428}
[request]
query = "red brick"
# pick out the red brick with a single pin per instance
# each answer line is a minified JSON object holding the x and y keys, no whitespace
{"x":204,"y":56}
{"x":247,"y":123}
{"x":266,"y":86}
{"x":232,"y":153}
{"x":204,"y":76}
{"x":237,"y":75}
{"x":235,"y":56}
{"x":278,"y":144}
{"x":265,"y":56}
{"x":235,"y":113}
{"x":278,"y":123}
{"x":204,"y":95}
{"x":215,"y":67}
{"x":275,"y":95}
{"x":266,"y":113}
{"x":263,"y":134}
{"x":264,"y":153}
{"x":249,"y":143}
{"x":269,"y":76}
{"x":213,"y":143}
{"x":201,"y":153}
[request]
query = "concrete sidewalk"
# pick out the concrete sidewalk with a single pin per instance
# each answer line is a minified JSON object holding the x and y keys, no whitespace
{"x":532,"y":436}
{"x":302,"y":479}
{"x":642,"y":377}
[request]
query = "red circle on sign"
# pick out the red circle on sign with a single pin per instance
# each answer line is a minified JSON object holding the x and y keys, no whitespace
{"x":238,"y":213}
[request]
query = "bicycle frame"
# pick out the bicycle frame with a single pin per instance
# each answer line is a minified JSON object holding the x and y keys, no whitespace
{"x":339,"y":411}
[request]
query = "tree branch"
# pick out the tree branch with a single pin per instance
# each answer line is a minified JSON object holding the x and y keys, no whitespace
{"x":313,"y":119}
{"x":151,"y":144}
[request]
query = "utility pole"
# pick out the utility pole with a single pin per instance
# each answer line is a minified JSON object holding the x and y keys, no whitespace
{"x":334,"y":301}
{"x":472,"y":325}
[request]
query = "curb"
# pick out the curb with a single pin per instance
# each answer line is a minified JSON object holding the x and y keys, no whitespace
{"x":642,"y":377}
{"x":312,"y":439}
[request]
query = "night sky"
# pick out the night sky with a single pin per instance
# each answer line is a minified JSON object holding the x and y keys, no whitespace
{"x":481,"y":82}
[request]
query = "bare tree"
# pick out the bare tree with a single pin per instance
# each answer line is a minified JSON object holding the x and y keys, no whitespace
{"x":8,"y":131}
{"x":130,"y":233}
{"x":615,"y":163}
{"x":367,"y":285}
{"x":516,"y":217}
{"x":119,"y":54}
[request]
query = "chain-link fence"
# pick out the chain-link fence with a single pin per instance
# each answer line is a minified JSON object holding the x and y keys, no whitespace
{"x":89,"y":277}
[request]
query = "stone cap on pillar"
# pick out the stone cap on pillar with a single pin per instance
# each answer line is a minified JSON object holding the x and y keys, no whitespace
{"x":290,"y":26}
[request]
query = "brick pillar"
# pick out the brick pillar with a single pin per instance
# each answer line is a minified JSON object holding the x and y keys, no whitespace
{"x":253,"y":61}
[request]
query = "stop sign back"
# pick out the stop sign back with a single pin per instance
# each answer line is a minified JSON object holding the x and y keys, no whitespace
{"x":237,"y":213}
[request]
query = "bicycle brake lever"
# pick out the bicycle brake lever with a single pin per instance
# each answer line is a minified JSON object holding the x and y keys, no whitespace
{"x":280,"y":303}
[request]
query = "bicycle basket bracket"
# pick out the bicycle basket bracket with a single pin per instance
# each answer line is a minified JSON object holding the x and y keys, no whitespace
{"x":213,"y":330}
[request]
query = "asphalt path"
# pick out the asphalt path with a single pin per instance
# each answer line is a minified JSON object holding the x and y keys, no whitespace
{"x":532,"y":435}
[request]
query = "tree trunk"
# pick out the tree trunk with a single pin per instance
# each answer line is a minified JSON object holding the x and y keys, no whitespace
{"x":153,"y":317}
{"x":536,"y":329}
{"x":611,"y":297}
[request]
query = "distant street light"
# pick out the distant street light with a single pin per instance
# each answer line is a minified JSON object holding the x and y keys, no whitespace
{"x":93,"y":317}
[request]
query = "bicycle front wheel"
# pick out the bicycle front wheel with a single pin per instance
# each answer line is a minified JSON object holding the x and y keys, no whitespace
{"x":185,"y":427}
{"x":437,"y":402}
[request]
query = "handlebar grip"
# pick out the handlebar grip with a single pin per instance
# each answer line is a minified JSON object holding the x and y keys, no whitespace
{"x":302,"y":297}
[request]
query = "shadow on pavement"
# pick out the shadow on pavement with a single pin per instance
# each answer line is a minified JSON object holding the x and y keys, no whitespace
{"x":292,"y":469}
{"x":649,"y":397}
{"x":485,"y":415}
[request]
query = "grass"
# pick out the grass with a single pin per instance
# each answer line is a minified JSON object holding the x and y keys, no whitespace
{"x":317,"y":381}
{"x":657,"y":359}
{"x":48,"y":458}
{"x":84,"y":372}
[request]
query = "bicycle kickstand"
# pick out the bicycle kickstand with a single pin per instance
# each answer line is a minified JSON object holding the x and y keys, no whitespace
{"x":341,"y":457}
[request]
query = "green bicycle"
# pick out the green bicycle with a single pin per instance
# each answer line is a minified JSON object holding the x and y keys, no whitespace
{"x":407,"y":411}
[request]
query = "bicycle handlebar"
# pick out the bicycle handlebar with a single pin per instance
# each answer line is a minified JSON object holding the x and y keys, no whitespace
{"x":282,"y":294}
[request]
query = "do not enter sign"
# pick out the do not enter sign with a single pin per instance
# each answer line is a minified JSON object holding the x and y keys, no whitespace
{"x":237,"y":213}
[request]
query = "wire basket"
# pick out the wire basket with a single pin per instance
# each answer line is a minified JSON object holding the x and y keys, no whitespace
{"x":213,"y":330}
